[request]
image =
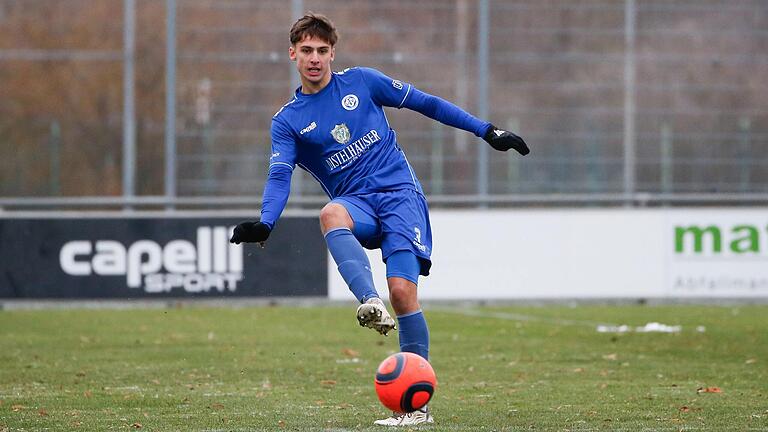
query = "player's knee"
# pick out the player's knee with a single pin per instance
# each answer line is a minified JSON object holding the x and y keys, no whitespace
{"x":334,"y":216}
{"x":403,"y":298}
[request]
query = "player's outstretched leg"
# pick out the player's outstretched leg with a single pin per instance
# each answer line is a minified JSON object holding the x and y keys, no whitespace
{"x":373,"y":314}
{"x":417,"y":417}
{"x":353,"y":265}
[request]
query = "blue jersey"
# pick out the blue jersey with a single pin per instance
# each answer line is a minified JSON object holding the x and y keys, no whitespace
{"x":341,"y":136}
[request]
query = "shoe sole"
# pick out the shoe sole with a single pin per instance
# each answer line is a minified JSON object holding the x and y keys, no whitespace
{"x":371,"y":317}
{"x":386,"y":422}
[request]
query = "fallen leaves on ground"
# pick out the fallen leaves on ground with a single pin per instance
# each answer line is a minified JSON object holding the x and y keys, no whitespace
{"x":349,"y":352}
{"x":709,"y":390}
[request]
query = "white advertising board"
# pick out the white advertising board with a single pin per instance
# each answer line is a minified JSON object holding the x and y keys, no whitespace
{"x":721,"y":253}
{"x":590,"y":253}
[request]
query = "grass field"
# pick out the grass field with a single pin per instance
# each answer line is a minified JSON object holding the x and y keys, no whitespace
{"x":284,"y":368}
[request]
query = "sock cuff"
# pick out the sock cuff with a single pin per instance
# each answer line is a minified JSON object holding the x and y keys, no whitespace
{"x":333,"y":230}
{"x":409,"y":314}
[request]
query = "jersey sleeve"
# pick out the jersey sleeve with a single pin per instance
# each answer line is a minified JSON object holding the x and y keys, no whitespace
{"x":385,"y":91}
{"x":283,"y":145}
{"x":390,"y":92}
{"x":445,"y":112}
{"x":281,"y":165}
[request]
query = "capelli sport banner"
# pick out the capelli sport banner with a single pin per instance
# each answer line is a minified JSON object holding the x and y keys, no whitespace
{"x":92,"y":258}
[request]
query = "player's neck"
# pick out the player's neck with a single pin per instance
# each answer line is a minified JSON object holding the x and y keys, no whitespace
{"x":308,"y":87}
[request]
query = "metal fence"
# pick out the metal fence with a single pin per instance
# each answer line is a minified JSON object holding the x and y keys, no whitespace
{"x":622,"y":102}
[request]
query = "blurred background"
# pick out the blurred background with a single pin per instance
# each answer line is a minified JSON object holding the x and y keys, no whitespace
{"x":167,"y":103}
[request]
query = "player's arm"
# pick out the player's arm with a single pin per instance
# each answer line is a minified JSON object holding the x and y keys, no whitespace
{"x":394,"y":93}
{"x":276,"y":190}
{"x":450,"y":114}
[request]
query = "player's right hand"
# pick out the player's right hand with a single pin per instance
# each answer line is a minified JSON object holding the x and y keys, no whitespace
{"x":250,"y":232}
{"x":502,"y":140}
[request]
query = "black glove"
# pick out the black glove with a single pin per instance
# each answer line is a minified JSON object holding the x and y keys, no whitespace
{"x":250,"y":232}
{"x":503,"y":140}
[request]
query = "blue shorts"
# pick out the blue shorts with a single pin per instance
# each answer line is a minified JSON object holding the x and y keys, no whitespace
{"x":392,"y":221}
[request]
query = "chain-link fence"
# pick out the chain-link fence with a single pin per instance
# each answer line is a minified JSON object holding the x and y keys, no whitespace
{"x":651,"y":98}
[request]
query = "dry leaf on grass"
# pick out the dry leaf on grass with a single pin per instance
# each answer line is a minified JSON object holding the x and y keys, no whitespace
{"x":136,"y":425}
{"x":350,"y":352}
{"x":42,"y":412}
{"x":328,"y":382}
{"x":709,"y":390}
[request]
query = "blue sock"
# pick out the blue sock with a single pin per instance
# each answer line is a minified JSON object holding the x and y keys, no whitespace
{"x":414,"y":334}
{"x":352,"y":263}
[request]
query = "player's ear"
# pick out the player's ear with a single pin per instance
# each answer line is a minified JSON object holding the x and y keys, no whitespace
{"x":333,"y":53}
{"x":292,"y":53}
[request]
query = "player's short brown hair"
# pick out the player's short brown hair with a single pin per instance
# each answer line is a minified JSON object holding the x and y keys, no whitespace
{"x":314,"y":25}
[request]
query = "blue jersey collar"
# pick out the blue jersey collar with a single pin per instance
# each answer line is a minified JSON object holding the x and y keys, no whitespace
{"x":301,"y":95}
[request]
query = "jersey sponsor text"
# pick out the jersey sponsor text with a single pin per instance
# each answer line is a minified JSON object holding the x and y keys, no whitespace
{"x":353,"y":151}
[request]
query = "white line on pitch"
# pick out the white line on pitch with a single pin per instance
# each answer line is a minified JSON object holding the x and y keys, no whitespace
{"x":521,"y":317}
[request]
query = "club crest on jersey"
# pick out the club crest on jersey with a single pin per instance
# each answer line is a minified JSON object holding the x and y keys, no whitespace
{"x":341,"y":133}
{"x":349,"y":102}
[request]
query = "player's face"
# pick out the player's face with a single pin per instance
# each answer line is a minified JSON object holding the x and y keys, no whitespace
{"x":313,"y":59}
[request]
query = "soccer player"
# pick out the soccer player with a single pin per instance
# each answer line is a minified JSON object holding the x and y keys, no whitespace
{"x":335,"y":128}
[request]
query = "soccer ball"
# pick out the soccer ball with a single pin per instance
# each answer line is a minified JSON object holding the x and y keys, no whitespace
{"x":405,"y":382}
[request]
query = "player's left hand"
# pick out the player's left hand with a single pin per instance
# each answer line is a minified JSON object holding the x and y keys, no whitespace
{"x":250,"y":232}
{"x":503,"y":140}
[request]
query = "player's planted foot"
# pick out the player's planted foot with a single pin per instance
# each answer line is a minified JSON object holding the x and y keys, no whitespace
{"x":373,"y":314}
{"x":421,"y":416}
